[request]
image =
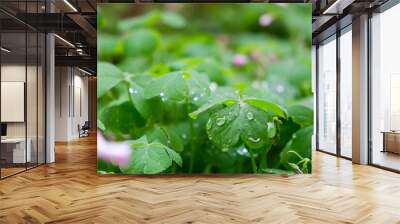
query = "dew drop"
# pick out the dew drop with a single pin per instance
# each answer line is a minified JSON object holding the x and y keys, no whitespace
{"x":131,"y":90}
{"x":162,"y":94}
{"x":195,"y":98}
{"x":270,"y":125}
{"x":280,"y":88}
{"x":213,"y":86}
{"x":184,"y":136}
{"x":209,"y":124}
{"x":242,"y":151}
{"x":294,"y":136}
{"x":220,"y":121}
{"x":255,"y":140}
{"x":250,"y":116}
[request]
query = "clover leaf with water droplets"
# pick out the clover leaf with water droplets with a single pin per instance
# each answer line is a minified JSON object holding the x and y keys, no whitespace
{"x":254,"y":127}
{"x":175,"y":86}
{"x":150,"y":158}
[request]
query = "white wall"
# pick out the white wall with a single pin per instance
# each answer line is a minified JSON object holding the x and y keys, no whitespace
{"x":16,"y":73}
{"x":71,"y":94}
{"x":33,"y":126}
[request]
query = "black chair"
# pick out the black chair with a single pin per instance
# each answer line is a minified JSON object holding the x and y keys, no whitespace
{"x":84,"y":130}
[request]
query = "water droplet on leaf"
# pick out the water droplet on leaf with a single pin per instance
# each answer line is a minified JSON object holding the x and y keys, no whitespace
{"x":255,"y":140}
{"x":195,"y":98}
{"x":220,"y":121}
{"x":213,"y":86}
{"x":270,"y":125}
{"x":242,"y":151}
{"x":161,"y":94}
{"x":250,"y":116}
{"x":209,"y":124}
{"x":280,"y":89}
{"x":225,"y":149}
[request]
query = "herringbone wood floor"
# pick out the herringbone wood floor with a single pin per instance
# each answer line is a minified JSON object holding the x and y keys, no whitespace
{"x":70,"y":191}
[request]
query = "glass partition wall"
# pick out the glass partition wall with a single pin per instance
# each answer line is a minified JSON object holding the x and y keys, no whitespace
{"x":22,"y":77}
{"x":327,"y":95}
{"x":345,"y":61}
{"x":385,"y":89}
{"x":334,"y":94}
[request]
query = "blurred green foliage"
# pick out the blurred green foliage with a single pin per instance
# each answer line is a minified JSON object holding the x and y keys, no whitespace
{"x":208,"y":88}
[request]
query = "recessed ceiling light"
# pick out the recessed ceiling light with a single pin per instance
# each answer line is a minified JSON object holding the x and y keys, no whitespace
{"x":64,"y":40}
{"x":337,"y":7}
{"x":5,"y":50}
{"x":84,"y":71}
{"x":70,"y":5}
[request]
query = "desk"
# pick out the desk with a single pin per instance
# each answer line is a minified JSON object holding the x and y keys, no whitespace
{"x":391,"y":141}
{"x":17,"y":150}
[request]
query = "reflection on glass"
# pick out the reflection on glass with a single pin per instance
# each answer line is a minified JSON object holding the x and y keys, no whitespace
{"x":327,"y":96}
{"x":346,"y":94}
{"x":14,"y":153}
{"x":31,"y":100}
{"x":41,"y":99}
{"x":22,"y":90}
{"x":385,"y":84}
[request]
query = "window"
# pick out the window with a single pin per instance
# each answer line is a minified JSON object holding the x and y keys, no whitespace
{"x":327,"y":95}
{"x":385,"y":89}
{"x":346,"y":92}
{"x":22,"y":77}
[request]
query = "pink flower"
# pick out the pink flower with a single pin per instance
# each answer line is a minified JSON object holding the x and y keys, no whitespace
{"x":117,"y":153}
{"x":239,"y":60}
{"x":265,"y":20}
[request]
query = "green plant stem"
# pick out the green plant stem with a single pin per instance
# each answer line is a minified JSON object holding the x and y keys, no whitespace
{"x":208,"y":168}
{"x":173,"y":171}
{"x":253,"y":161}
{"x":191,"y":130}
{"x":263,"y":161}
{"x":240,"y":165}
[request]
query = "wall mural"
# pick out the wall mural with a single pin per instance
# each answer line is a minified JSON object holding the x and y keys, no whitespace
{"x":204,"y":88}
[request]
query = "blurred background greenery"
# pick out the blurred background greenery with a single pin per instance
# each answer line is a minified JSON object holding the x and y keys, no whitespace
{"x":251,"y":46}
{"x":278,"y":52}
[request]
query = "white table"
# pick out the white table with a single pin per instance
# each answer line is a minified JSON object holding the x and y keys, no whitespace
{"x":19,"y":155}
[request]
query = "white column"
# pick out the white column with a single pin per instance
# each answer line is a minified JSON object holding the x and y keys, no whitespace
{"x":360,"y":90}
{"x":50,"y":99}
